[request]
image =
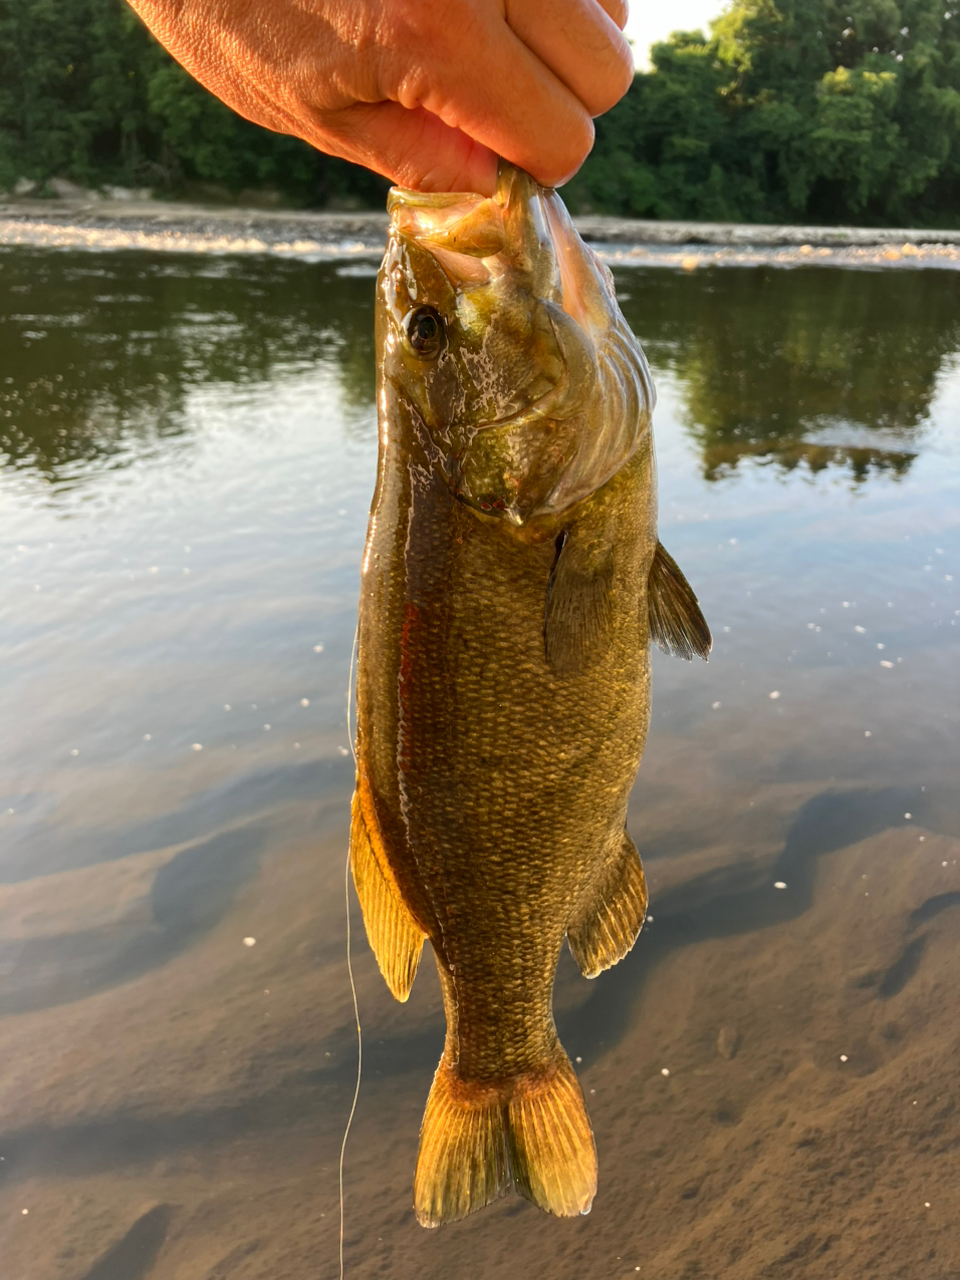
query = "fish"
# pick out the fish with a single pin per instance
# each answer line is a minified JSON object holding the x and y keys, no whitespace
{"x":512,"y":582}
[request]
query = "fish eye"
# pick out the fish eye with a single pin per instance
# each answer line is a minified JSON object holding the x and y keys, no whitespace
{"x":424,"y":329}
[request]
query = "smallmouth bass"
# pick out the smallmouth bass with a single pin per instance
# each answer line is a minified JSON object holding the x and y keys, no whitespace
{"x":512,"y":582}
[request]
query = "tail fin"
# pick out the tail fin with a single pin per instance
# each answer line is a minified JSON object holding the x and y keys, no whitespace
{"x":530,"y":1131}
{"x":462,"y":1164}
{"x":551,"y":1143}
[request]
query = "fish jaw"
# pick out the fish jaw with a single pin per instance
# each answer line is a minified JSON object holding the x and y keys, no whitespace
{"x":539,"y":392}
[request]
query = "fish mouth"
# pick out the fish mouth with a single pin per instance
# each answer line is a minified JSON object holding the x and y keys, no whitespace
{"x":478,"y":237}
{"x":474,"y":222}
{"x":464,"y":225}
{"x":522,"y":229}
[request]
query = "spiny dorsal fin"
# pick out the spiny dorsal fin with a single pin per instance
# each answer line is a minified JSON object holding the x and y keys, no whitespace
{"x":579,"y":614}
{"x":676,"y":623}
{"x":607,"y":928}
{"x":395,"y":937}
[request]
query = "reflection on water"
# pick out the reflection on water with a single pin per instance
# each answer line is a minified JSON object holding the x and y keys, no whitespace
{"x":100,"y":361}
{"x":189,"y":451}
{"x":818,"y":367}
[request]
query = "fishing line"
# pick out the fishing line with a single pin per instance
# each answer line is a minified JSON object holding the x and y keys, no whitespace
{"x":353,"y":985}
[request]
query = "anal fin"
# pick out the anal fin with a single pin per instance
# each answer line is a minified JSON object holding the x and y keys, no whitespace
{"x":677,"y":624}
{"x":395,"y":937}
{"x":608,"y":927}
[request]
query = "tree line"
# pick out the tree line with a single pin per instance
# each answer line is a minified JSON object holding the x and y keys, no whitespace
{"x":788,"y":110}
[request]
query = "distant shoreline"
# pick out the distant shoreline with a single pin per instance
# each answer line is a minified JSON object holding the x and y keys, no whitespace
{"x":162,"y":226}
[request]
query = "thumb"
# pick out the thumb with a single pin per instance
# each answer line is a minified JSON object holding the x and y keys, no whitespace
{"x":412,"y":147}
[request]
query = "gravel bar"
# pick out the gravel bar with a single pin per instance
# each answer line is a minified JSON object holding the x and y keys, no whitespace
{"x":161,"y":226}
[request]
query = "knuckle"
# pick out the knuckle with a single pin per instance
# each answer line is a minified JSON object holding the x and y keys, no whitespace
{"x":410,"y":27}
{"x":414,"y":88}
{"x":616,"y":81}
{"x":418,"y":176}
{"x":618,"y":11}
{"x":359,"y":26}
{"x":410,"y":167}
{"x":628,"y":68}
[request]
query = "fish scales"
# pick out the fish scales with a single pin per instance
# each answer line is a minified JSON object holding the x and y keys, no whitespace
{"x":503,"y":686}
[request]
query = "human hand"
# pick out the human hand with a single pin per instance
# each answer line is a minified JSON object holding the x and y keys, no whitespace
{"x":426,"y":92}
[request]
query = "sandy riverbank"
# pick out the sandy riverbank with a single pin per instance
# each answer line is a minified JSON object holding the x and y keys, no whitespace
{"x":775,"y":1100}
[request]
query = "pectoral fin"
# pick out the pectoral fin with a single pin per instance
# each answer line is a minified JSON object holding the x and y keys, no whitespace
{"x":676,"y":622}
{"x":395,"y":937}
{"x":578,"y":622}
{"x":607,"y":928}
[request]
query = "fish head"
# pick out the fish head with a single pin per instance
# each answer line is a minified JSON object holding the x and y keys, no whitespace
{"x":499,"y":331}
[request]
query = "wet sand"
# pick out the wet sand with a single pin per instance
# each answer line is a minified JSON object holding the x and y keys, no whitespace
{"x":772,"y":1099}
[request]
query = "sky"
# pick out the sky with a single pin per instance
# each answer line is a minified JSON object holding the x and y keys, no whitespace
{"x":652,"y":20}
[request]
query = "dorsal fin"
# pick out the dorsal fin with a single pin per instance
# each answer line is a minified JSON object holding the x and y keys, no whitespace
{"x":676,"y":622}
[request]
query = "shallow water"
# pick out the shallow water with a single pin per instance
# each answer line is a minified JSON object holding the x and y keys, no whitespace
{"x":189,"y":447}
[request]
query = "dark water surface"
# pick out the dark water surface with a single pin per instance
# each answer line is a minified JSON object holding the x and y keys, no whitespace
{"x":188,"y":449}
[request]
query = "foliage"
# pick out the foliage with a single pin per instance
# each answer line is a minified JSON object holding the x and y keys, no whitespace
{"x":811,"y":110}
{"x":819,"y":110}
{"x":87,"y":94}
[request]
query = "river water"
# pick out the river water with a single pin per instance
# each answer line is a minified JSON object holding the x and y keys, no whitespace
{"x":188,"y":447}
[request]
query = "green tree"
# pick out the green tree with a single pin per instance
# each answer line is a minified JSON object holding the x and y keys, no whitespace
{"x":820,"y":110}
{"x":73,"y":91}
{"x":86,"y":93}
{"x":792,"y":109}
{"x":661,"y":153}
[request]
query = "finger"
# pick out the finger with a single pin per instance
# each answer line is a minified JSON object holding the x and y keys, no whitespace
{"x":617,"y":10}
{"x":412,"y":148}
{"x":580,"y":43}
{"x":527,"y":115}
